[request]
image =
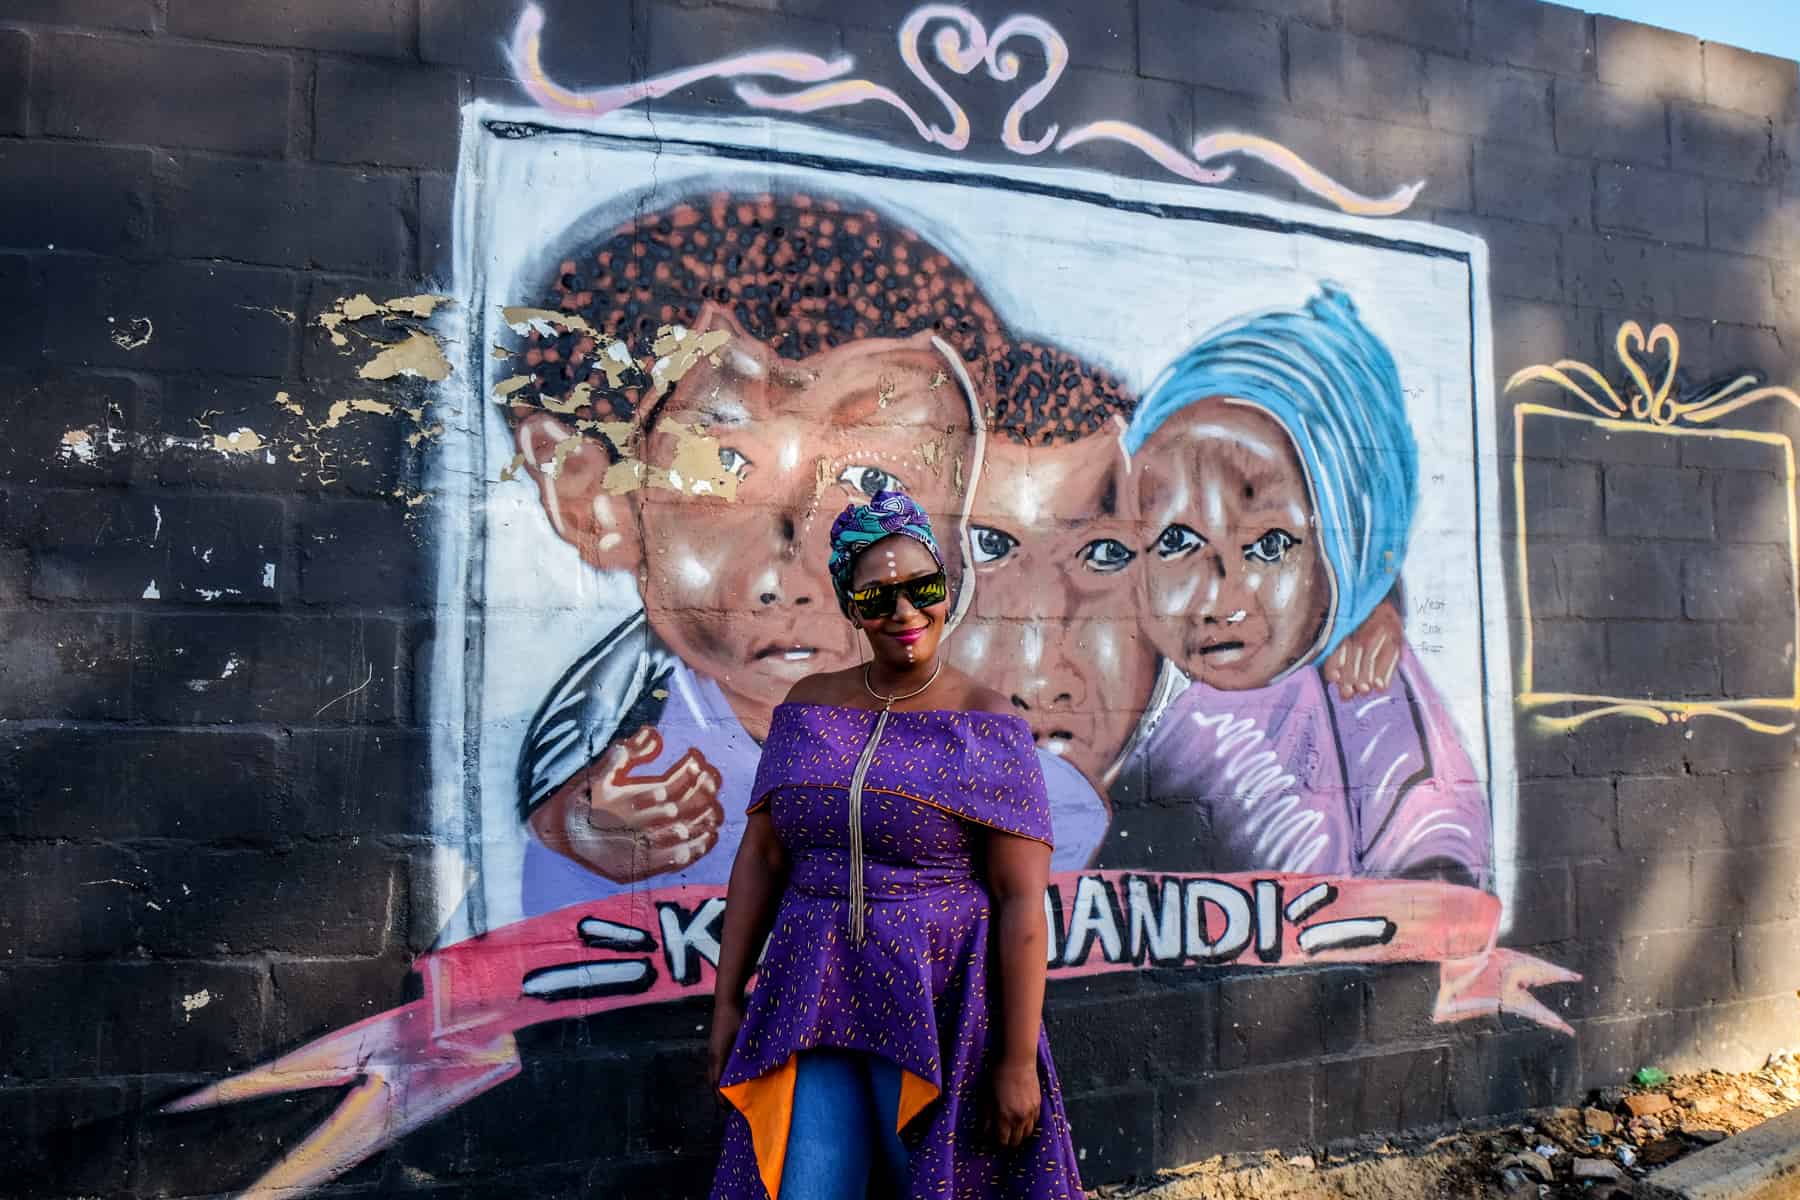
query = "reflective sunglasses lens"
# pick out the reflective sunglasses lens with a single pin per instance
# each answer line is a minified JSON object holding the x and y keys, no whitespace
{"x":933,"y":589}
{"x":872,"y":604}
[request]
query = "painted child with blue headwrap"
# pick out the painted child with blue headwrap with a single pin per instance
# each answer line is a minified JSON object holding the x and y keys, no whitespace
{"x":1277,"y":480}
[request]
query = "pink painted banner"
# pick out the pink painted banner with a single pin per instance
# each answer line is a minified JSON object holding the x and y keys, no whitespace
{"x":412,"y":1064}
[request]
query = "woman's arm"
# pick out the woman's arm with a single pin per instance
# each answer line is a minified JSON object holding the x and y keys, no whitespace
{"x":1018,"y":869}
{"x":758,"y":875}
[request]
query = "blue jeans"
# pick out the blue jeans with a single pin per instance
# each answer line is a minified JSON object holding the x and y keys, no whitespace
{"x":845,"y":1104}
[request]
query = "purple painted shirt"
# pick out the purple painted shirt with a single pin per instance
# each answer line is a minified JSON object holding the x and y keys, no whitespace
{"x":1292,"y":778}
{"x":916,"y":991}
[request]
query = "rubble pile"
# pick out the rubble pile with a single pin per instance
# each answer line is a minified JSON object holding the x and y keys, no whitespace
{"x":1624,"y":1133}
{"x":1595,"y":1152}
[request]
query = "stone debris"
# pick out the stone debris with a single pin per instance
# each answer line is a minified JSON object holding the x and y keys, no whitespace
{"x":1531,"y":1161}
{"x":1596,"y":1152}
{"x":1597,"y":1168}
{"x":1646,"y":1103}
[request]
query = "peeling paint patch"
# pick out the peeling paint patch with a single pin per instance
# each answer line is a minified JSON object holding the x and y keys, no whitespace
{"x":932,"y":454}
{"x":545,"y":322}
{"x":509,"y":385}
{"x":239,"y":441}
{"x":286,"y":314}
{"x":135,"y":334}
{"x":360,"y":307}
{"x":77,"y":446}
{"x":151,"y":592}
{"x":194,"y":1002}
{"x":420,"y":306}
{"x":268,"y":578}
{"x":418,"y":355}
{"x":678,"y":350}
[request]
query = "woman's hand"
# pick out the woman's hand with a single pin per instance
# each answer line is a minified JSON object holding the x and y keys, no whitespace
{"x":728,"y":1016}
{"x":1015,"y":1102}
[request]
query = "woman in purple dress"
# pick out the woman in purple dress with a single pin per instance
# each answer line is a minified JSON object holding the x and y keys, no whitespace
{"x":896,"y":856}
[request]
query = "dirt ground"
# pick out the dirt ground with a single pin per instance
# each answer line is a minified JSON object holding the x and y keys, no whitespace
{"x":1594,"y":1152}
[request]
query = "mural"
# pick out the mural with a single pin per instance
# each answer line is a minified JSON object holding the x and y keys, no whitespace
{"x":1756,"y":550}
{"x":1217,"y":477}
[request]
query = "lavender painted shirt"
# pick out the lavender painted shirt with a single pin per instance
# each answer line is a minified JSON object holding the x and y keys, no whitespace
{"x":1292,"y":778}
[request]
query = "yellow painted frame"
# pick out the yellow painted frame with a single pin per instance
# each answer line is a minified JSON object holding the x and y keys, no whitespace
{"x":1649,"y":410}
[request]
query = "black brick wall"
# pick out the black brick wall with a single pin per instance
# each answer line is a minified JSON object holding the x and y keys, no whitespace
{"x":182,"y":810}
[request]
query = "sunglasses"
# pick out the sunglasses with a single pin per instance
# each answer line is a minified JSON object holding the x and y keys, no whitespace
{"x":879,"y":600}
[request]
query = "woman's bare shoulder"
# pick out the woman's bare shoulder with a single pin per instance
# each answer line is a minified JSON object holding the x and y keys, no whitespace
{"x":825,"y":687}
{"x":974,"y":696}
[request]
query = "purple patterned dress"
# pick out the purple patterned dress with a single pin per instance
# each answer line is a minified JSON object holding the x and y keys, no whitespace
{"x":915,"y":990}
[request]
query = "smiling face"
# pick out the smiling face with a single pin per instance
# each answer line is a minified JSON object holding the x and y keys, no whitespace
{"x":741,"y":589}
{"x":1235,"y":589}
{"x":1054,"y":626}
{"x":910,"y":635}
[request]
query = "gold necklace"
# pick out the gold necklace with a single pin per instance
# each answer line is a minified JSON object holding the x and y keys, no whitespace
{"x":857,"y":899}
{"x":888,"y":701}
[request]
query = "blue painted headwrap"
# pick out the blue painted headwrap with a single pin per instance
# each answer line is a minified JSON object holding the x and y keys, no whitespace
{"x":1334,"y":387}
{"x":862,"y":525}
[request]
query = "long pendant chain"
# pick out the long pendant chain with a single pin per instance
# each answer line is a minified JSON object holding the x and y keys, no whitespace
{"x":856,"y":829}
{"x":857,"y":898}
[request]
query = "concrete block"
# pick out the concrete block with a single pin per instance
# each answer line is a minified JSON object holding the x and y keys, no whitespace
{"x":363,"y":27}
{"x":1644,"y":58}
{"x":1498,"y":103}
{"x":1721,"y":143}
{"x":1612,"y":124}
{"x":1529,"y":33}
{"x":1651,"y":203}
{"x":1227,"y":50}
{"x":154,"y":92}
{"x":1762,"y":1163}
{"x":1339,"y":73}
{"x":15,"y":80}
{"x":1761,"y":85}
{"x":1530,"y":185}
{"x":386,"y":115}
{"x":286,"y":214}
{"x":1439,"y":24}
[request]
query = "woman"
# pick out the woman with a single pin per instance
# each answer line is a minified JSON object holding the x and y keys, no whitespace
{"x":898,"y":844}
{"x":1277,"y":478}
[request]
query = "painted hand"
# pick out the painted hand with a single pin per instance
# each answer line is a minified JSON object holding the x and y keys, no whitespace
{"x":1364,"y":662}
{"x":1014,"y":1103}
{"x":630,"y":827}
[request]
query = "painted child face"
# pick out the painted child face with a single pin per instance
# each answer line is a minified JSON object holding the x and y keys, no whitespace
{"x":1054,"y":625}
{"x":740,"y":590}
{"x":1235,"y":589}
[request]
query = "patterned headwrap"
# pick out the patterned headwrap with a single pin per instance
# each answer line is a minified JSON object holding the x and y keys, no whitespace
{"x":862,"y":525}
{"x":1334,"y":387}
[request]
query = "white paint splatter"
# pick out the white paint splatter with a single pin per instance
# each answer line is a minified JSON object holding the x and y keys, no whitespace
{"x":232,"y":663}
{"x":268,"y":574}
{"x":150,"y":593}
{"x":157,"y":532}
